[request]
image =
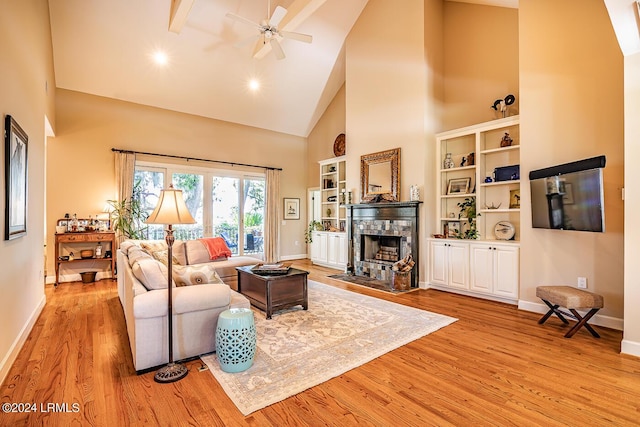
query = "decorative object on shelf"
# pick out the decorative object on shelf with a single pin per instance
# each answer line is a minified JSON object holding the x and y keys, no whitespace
{"x":291,"y":208}
{"x":448,"y":162}
{"x":462,"y":163}
{"x":99,"y":250}
{"x":507,"y":173}
{"x":70,"y":257}
{"x":452,"y":215}
{"x":343,"y":196}
{"x":86,"y":253}
{"x":458,"y":186}
{"x":332,"y":198}
{"x":339,"y":145}
{"x":488,"y":179}
{"x":171,"y":209}
{"x":468,"y":211}
{"x":349,"y":197}
{"x":500,"y":105}
{"x":15,"y":166}
{"x":493,"y":206}
{"x":504,"y":230}
{"x":328,"y":212}
{"x":506,"y":140}
{"x":471,"y":159}
{"x":414,"y":193}
{"x":452,"y":228}
{"x":514,"y":199}
{"x":332,"y":168}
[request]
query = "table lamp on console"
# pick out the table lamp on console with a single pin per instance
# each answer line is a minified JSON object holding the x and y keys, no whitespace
{"x":171,"y":209}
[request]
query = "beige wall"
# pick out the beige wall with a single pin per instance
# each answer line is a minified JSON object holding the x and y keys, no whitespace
{"x":480,"y":62}
{"x":571,"y":87}
{"x":388,"y":80}
{"x":81,"y":175}
{"x":26,"y":70}
{"x":631,"y":341}
{"x":320,"y":140}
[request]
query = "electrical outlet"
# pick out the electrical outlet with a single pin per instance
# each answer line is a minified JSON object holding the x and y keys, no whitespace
{"x":582,"y":282}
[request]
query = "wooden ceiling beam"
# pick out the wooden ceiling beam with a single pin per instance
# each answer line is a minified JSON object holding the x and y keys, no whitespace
{"x":178,"y":14}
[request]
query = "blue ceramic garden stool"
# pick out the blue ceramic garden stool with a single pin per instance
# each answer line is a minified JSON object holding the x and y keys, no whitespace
{"x":236,"y":339}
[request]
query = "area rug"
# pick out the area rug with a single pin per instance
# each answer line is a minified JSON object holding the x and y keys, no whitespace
{"x":299,"y":349}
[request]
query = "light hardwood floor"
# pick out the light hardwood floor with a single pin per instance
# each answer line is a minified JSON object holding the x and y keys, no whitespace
{"x":494,"y":366}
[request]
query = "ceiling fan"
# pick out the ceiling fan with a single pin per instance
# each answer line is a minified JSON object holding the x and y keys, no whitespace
{"x":268,"y":32}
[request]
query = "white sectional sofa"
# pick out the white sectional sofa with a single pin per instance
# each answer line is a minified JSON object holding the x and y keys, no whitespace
{"x":200,"y":295}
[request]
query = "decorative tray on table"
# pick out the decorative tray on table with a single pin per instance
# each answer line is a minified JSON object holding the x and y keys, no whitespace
{"x":271,"y":269}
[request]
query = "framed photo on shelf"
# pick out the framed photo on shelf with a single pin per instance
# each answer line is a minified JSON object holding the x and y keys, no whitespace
{"x":458,"y":186}
{"x":453,"y":228}
{"x":15,"y":164}
{"x":291,"y":208}
{"x":514,"y":199}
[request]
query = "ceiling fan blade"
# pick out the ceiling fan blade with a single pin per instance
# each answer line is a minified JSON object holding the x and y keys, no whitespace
{"x":306,"y":38}
{"x":243,"y":20}
{"x":277,"y":49}
{"x":277,"y":16}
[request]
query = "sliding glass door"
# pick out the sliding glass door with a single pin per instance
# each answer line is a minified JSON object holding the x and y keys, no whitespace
{"x":224,"y":203}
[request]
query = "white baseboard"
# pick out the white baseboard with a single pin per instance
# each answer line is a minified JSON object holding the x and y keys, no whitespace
{"x":15,"y":348}
{"x":598,"y":319}
{"x":293,"y":257}
{"x":630,"y":347}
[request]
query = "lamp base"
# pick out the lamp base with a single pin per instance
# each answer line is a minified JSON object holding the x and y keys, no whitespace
{"x":171,"y":372}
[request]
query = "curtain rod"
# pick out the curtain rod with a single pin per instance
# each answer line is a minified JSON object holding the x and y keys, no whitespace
{"x":194,"y":158}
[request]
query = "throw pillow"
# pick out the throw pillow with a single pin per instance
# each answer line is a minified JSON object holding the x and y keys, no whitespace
{"x":151,"y":273}
{"x":163,"y":256}
{"x":186,"y":275}
{"x":136,"y":253}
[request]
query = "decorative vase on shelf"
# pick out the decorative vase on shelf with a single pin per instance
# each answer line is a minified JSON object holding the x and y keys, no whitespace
{"x":448,"y":162}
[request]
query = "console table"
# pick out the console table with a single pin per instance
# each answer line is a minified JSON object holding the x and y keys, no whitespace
{"x":84,"y":240}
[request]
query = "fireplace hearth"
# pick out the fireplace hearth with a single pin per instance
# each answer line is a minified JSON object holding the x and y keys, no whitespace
{"x":381,"y":234}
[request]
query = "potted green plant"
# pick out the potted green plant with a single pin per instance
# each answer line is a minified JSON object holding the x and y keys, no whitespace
{"x":128,"y":216}
{"x":313,"y":226}
{"x":468,"y":210}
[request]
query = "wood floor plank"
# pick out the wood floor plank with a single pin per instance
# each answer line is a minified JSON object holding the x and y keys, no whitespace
{"x":494,"y":366}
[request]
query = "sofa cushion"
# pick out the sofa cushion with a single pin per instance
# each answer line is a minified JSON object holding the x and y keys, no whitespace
{"x":125,"y":246}
{"x":151,"y":273}
{"x":179,"y":253}
{"x":201,"y":297}
{"x":196,"y":253}
{"x":135,"y":254}
{"x":195,"y":275}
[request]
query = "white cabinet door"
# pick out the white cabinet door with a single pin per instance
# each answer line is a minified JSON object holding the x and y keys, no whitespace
{"x":438,"y":268}
{"x":481,"y":263}
{"x":322,"y":247}
{"x":495,"y":269}
{"x":333,"y":246}
{"x":449,"y":264}
{"x":314,"y":246}
{"x":458,"y":265}
{"x":506,"y":261}
{"x":342,"y":250}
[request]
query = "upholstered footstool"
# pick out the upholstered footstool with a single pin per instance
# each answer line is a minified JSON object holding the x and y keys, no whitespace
{"x":572,"y":299}
{"x":236,"y":339}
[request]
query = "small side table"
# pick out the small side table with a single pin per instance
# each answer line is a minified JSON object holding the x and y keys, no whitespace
{"x":236,"y":339}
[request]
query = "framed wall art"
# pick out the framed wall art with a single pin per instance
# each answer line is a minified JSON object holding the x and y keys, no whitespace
{"x":15,"y":166}
{"x":291,"y":208}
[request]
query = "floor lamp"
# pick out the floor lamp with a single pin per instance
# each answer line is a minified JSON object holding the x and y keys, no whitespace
{"x":170,"y":210}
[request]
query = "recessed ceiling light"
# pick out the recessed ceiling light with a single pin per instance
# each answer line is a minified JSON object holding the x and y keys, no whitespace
{"x":160,"y":58}
{"x":254,"y":84}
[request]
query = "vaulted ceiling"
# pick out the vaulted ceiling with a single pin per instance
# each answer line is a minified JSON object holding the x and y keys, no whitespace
{"x":106,"y":48}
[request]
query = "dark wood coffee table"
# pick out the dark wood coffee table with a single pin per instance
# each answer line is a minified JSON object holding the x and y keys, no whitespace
{"x":276,"y":292}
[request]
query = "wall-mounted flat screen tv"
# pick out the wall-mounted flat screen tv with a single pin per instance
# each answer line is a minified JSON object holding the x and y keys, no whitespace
{"x":569,"y":196}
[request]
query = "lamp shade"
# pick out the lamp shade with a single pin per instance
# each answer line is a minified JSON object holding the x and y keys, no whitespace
{"x":171,"y":209}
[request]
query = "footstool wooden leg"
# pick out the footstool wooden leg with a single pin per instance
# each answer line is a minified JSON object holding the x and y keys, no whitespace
{"x":552,"y":309}
{"x":582,"y":321}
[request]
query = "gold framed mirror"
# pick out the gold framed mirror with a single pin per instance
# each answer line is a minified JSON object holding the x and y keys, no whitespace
{"x":380,"y":175}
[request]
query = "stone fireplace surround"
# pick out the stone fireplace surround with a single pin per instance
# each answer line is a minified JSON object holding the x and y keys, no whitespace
{"x":370,"y":225}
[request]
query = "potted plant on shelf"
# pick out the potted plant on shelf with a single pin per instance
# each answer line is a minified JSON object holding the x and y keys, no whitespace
{"x":313,"y":226}
{"x":468,"y":210}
